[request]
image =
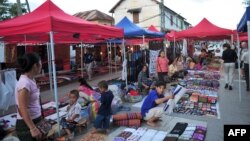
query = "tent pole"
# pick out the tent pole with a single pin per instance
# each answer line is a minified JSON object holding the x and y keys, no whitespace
{"x":49,"y":67}
{"x":248,"y":33}
{"x":238,"y":46}
{"x":54,"y":74}
{"x":108,"y":55}
{"x":126,"y":71}
{"x":174,"y":48}
{"x":81,"y":59}
{"x":110,"y":48}
{"x":115,"y":58}
{"x":145,"y":53}
{"x":25,"y":40}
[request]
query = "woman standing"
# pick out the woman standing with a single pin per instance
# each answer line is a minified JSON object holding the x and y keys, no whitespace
{"x":27,"y":99}
{"x":162,"y":66}
{"x":229,"y":57}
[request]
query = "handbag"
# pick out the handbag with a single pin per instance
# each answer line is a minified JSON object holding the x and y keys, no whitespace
{"x":44,"y":125}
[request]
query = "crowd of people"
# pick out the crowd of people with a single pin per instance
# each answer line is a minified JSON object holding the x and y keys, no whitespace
{"x":28,"y":94}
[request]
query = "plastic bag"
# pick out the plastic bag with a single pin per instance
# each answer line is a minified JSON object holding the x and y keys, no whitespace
{"x":169,"y":106}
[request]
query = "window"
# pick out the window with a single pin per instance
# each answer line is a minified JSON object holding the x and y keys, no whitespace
{"x":136,"y":17}
{"x":171,"y":19}
{"x":182,"y":24}
{"x":177,"y":24}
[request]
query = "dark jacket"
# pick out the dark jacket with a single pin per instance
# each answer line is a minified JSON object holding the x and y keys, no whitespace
{"x":229,"y":56}
{"x":106,"y":101}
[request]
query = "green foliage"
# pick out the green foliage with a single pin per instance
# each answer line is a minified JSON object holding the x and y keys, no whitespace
{"x":9,"y":10}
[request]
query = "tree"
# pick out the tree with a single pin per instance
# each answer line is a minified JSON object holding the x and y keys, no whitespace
{"x":4,"y":6}
{"x":9,"y":10}
{"x":13,"y":9}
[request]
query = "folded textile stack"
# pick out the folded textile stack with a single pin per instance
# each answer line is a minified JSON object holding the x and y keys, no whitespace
{"x":171,"y":137}
{"x":124,"y":135}
{"x":159,"y":136}
{"x":199,"y":133}
{"x":128,"y":119}
{"x":188,"y":133}
{"x":125,"y":116}
{"x":148,"y":136}
{"x":207,"y":83}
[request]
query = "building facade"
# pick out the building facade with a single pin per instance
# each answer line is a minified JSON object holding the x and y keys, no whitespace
{"x":148,"y":12}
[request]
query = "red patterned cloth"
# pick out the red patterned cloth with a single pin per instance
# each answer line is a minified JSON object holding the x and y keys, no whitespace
{"x":129,"y":123}
{"x":127,"y":116}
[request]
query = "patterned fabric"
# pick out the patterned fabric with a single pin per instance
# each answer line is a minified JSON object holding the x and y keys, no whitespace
{"x":129,"y":123}
{"x":127,"y":116}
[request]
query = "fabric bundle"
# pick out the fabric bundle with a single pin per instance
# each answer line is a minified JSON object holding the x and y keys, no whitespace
{"x":128,"y":119}
{"x":129,"y":123}
{"x":159,"y":136}
{"x":126,"y":116}
{"x":148,"y":136}
{"x":199,"y":133}
{"x":124,"y":135}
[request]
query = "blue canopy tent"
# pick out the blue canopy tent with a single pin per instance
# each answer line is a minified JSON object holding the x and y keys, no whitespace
{"x":244,"y":25}
{"x":132,"y":30}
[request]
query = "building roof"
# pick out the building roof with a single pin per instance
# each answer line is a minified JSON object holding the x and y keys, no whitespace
{"x":93,"y":15}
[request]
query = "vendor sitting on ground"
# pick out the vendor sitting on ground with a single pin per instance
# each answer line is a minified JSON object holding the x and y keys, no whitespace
{"x":191,"y":64}
{"x":149,"y":110}
{"x":73,"y":116}
{"x":143,"y":80}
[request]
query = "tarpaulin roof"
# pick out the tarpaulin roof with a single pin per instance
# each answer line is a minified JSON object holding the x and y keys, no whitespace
{"x":132,"y":30}
{"x":153,"y":28}
{"x":48,"y":17}
{"x":242,"y":26}
{"x":205,"y":30}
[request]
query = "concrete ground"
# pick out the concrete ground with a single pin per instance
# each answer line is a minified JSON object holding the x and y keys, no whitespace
{"x":232,"y":110}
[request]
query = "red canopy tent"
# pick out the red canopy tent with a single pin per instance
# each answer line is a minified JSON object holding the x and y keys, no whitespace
{"x":153,"y":28}
{"x":48,"y":23}
{"x":205,"y":30}
{"x":48,"y":17}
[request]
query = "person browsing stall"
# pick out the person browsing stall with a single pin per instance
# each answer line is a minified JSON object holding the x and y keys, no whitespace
{"x":89,"y":62}
{"x":104,"y":113}
{"x":229,"y":57}
{"x":73,"y":116}
{"x":149,"y":110}
{"x":162,"y":66}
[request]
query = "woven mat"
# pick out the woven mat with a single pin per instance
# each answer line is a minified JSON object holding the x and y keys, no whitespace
{"x":94,"y":137}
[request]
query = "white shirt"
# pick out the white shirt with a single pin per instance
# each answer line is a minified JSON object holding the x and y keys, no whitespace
{"x":245,"y":57}
{"x":74,"y":109}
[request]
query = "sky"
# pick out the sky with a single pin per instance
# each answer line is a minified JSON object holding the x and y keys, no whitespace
{"x":223,"y":13}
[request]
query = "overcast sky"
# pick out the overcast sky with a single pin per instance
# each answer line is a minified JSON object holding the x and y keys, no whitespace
{"x":224,"y":13}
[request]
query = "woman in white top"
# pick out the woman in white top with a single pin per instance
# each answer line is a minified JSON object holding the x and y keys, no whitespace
{"x":27,"y":99}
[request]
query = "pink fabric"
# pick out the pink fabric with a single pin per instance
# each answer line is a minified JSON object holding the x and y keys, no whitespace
{"x":34,"y":108}
{"x":162,"y":64}
{"x":86,"y":90}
